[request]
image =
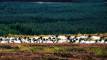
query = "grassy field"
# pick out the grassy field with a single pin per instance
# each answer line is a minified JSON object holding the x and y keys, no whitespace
{"x":53,"y":51}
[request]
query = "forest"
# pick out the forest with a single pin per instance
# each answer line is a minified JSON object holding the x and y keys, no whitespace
{"x":52,"y":18}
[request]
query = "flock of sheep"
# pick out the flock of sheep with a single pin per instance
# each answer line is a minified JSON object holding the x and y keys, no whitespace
{"x":86,"y":39}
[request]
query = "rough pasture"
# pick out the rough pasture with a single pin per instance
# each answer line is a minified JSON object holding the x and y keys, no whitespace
{"x":53,"y":51}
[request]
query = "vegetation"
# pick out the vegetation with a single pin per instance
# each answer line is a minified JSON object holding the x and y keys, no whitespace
{"x":53,"y":51}
{"x":55,"y":18}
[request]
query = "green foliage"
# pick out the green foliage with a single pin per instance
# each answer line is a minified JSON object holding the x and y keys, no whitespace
{"x":54,"y":18}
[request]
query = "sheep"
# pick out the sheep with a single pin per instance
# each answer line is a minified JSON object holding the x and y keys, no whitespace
{"x":4,"y":40}
{"x":20,"y":39}
{"x":45,"y":39}
{"x":53,"y":38}
{"x":88,"y":39}
{"x":72,"y":39}
{"x":1,"y":39}
{"x":95,"y":37}
{"x":35,"y":40}
{"x":61,"y":39}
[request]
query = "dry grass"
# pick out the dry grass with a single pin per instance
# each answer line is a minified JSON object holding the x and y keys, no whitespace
{"x":53,"y":51}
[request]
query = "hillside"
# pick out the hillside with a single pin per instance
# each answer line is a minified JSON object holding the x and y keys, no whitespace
{"x":52,"y":18}
{"x":55,"y":0}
